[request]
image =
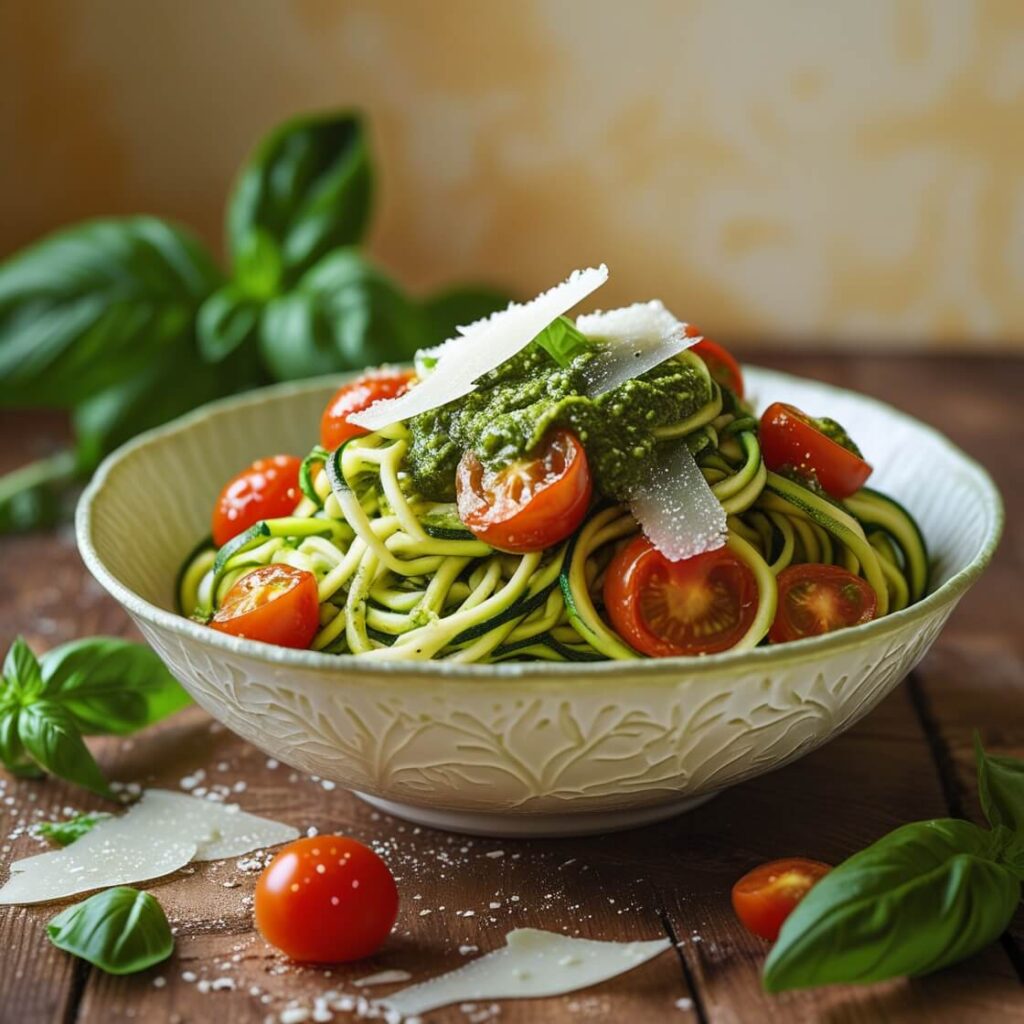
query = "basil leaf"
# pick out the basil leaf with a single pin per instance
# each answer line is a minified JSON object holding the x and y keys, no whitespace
{"x":119,"y":930}
{"x":64,"y":833}
{"x":227,"y":320}
{"x":305,"y":191}
{"x":343,"y":315}
{"x":562,"y":341}
{"x":52,"y":739}
{"x":458,"y":307}
{"x":21,"y":671}
{"x":91,"y":305}
{"x":109,"y":685}
{"x":12,"y":750}
{"x":924,"y":896}
{"x":1001,"y":789}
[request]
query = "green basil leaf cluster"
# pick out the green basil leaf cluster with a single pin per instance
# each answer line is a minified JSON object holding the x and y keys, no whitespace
{"x":128,"y":322}
{"x":119,"y":930}
{"x":84,"y":688}
{"x":921,"y":898}
{"x":65,"y":832}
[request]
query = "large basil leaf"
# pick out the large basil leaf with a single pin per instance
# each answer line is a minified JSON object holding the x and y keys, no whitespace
{"x":922,"y":897}
{"x":1001,"y":789}
{"x":343,"y":315}
{"x":453,"y":308}
{"x":109,"y":685}
{"x":305,"y":191}
{"x":93,"y":304}
{"x":119,"y":930}
{"x":12,"y":750}
{"x":50,"y":736}
{"x":227,"y":321}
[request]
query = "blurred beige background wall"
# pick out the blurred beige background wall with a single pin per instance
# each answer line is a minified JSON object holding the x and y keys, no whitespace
{"x":843,"y":170}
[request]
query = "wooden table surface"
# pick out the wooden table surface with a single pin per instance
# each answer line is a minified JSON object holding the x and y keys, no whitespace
{"x":909,"y":759}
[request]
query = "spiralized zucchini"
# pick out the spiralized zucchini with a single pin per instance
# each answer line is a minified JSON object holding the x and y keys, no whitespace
{"x":401,"y":579}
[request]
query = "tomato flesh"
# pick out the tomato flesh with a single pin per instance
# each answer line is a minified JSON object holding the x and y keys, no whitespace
{"x":328,"y":899}
{"x":700,"y":605}
{"x":530,"y":504}
{"x":720,"y":362}
{"x":356,"y":396}
{"x":789,"y":439}
{"x":816,"y":599}
{"x":268,"y":489}
{"x":765,"y":897}
{"x":277,"y":604}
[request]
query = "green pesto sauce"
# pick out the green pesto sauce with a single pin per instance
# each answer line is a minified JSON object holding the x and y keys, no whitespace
{"x":515,"y":405}
{"x":837,"y":432}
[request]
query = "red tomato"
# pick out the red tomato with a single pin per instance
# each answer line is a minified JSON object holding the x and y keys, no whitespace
{"x":700,"y":605}
{"x":275,"y":603}
{"x":326,"y":900}
{"x":721,"y":365}
{"x":530,"y":504}
{"x":789,"y":438}
{"x":816,"y":599}
{"x":765,"y":897}
{"x":268,"y":489}
{"x":355,"y":396}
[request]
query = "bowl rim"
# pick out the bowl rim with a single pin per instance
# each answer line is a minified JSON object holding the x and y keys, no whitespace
{"x":672,"y":669}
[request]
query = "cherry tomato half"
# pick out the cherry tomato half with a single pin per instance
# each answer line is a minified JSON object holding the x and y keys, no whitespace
{"x":816,"y":599}
{"x":275,"y":603}
{"x":268,"y":489}
{"x":765,"y":897}
{"x":720,"y":363}
{"x":533,"y":502}
{"x":789,"y":438}
{"x":325,"y":900}
{"x":355,"y":396}
{"x":700,"y":605}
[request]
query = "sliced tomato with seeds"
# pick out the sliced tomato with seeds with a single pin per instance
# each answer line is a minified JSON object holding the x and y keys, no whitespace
{"x":531,"y":503}
{"x":326,"y":899}
{"x":765,"y":897}
{"x":268,"y":489}
{"x":700,"y":605}
{"x":789,"y":438}
{"x":357,"y":396}
{"x":722,"y":366}
{"x":277,"y":604}
{"x":816,"y":599}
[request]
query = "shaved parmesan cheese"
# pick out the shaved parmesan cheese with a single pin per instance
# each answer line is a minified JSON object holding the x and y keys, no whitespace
{"x":675,"y":506}
{"x":161,"y":833}
{"x":480,"y":348}
{"x":630,"y":341}
{"x":532,"y":963}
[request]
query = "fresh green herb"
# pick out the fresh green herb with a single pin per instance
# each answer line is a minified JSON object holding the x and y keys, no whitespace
{"x":120,"y":931}
{"x":65,"y":832}
{"x":921,"y":898}
{"x":128,"y":322}
{"x":562,"y":341}
{"x":87,"y":687}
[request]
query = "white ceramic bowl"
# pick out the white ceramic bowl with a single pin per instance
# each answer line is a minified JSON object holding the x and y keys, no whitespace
{"x":533,"y":748}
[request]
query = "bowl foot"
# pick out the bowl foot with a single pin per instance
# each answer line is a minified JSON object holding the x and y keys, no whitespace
{"x":535,"y":826}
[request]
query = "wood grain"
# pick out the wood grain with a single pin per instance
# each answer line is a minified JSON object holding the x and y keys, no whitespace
{"x":909,"y":759}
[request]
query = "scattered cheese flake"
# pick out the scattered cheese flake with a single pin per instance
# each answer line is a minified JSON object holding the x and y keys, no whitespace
{"x":634,"y":339}
{"x":480,"y":348}
{"x":159,"y":834}
{"x":675,"y":506}
{"x":383,"y":978}
{"x":532,"y":963}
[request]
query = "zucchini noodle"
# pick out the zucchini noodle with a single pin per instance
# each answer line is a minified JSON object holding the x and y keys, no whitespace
{"x":399,"y":578}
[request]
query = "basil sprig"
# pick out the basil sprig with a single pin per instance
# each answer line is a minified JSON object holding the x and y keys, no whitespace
{"x":925,"y":896}
{"x":119,"y":930}
{"x":87,"y":687}
{"x":128,"y":322}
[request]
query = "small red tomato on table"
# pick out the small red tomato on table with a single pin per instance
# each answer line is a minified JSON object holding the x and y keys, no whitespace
{"x":765,"y":897}
{"x":326,"y":899}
